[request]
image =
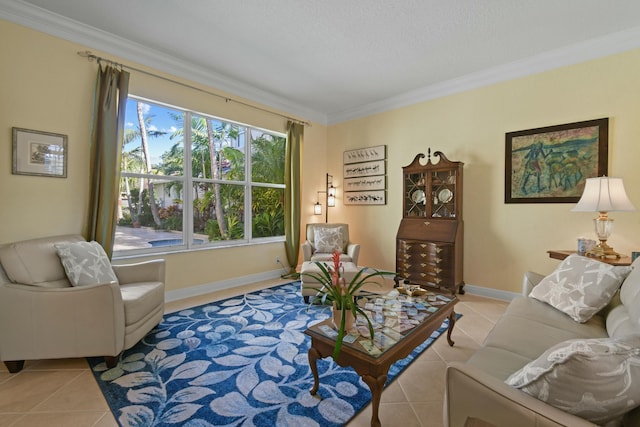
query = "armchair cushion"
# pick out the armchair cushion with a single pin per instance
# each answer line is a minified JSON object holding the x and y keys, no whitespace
{"x":328,"y":239}
{"x":86,"y":263}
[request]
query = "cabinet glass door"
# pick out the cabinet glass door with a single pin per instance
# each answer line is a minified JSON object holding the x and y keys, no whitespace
{"x":443,"y":194}
{"x":415,"y":196}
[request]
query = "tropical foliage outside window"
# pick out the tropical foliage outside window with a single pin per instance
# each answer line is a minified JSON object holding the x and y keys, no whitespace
{"x":187,"y":182}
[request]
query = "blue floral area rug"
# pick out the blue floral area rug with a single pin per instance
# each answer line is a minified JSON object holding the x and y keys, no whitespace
{"x":237,"y":362}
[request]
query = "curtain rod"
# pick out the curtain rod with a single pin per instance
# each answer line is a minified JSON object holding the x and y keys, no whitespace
{"x":91,"y":57}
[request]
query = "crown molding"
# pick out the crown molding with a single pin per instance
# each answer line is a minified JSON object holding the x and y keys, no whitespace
{"x":42,"y":20}
{"x":56,"y":25}
{"x":591,"y":49}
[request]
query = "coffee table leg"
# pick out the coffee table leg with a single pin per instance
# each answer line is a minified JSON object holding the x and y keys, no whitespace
{"x":313,"y":357}
{"x":452,"y":322}
{"x":376,"y":385}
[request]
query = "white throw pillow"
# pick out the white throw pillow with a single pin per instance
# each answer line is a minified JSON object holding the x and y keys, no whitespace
{"x":580,"y":286}
{"x":328,"y":239}
{"x":596,"y":379}
{"x":86,"y":263}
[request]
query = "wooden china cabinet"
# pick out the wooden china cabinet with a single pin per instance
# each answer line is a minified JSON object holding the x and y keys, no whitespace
{"x":429,"y":242}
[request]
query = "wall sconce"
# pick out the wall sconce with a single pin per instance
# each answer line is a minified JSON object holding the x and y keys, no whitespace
{"x":317,"y":208}
{"x":330,"y":199}
{"x":331,"y":191}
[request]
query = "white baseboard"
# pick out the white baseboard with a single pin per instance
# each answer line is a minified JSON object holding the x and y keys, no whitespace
{"x":206,"y":288}
{"x":490,"y":293}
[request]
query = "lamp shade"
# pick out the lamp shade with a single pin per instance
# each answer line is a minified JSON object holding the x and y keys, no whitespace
{"x":604,"y":194}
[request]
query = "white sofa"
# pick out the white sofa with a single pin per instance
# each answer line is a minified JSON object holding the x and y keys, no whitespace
{"x":535,"y":334}
{"x":43,"y":317}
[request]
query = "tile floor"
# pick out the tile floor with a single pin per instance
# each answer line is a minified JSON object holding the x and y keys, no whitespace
{"x":63,"y":393}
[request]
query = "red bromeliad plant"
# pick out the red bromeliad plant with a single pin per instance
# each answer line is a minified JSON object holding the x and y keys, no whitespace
{"x":333,"y":288}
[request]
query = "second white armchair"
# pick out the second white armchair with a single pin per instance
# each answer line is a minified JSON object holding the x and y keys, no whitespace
{"x":322,"y":239}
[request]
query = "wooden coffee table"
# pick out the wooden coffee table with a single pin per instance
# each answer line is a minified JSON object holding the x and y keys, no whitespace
{"x":373,"y":368}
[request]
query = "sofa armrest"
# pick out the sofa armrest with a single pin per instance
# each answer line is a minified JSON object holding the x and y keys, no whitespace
{"x":353,"y":250}
{"x":307,"y":250}
{"x":45,"y":323}
{"x":470,"y":392}
{"x":530,"y":281}
{"x":147,"y":271}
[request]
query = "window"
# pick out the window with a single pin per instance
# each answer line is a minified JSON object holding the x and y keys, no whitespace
{"x":186,"y":181}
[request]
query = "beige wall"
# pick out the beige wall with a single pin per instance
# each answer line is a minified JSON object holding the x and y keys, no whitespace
{"x":46,"y":86}
{"x":502,"y":240}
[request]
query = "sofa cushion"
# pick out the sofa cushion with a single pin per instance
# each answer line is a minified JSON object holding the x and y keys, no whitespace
{"x":85,"y":263}
{"x":35,"y":262}
{"x":508,"y":348}
{"x":580,"y":286}
{"x":630,"y":292}
{"x":596,"y":379}
{"x":497,"y":361}
{"x":328,"y":239}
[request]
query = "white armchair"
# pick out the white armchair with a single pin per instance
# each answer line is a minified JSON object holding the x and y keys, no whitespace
{"x":43,"y":317}
{"x":322,"y":238}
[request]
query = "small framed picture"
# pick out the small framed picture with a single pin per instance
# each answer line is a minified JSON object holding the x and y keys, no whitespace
{"x":377,"y":197}
{"x":365,"y":154}
{"x":39,"y":153}
{"x":354,"y":170}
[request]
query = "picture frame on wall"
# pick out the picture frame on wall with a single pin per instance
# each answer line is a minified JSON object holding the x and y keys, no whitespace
{"x":377,"y":182}
{"x":376,"y":197}
{"x":367,"y":154}
{"x":39,"y":153}
{"x":353,"y":170}
{"x":551,"y":164}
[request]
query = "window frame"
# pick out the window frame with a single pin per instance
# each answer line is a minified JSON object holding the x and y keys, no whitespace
{"x":188,"y":181}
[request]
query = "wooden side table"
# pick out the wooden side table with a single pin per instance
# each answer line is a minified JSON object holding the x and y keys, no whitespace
{"x":561,"y":254}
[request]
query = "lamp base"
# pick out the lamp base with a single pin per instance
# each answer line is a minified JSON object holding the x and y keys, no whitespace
{"x":602,"y":250}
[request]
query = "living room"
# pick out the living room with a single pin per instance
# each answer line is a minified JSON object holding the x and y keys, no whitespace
{"x":47,"y":86}
{"x":501,"y":240}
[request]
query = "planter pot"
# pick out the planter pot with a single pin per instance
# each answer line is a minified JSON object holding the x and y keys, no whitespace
{"x":349,"y":319}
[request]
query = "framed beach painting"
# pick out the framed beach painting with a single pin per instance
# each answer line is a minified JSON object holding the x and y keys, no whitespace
{"x":39,"y":153}
{"x":551,"y":164}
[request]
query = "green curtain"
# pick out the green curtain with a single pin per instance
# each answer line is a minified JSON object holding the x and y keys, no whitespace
{"x":295,"y":139}
{"x":110,"y":100}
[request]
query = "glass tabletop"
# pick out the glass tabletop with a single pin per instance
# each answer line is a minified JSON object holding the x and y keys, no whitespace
{"x":393,"y":316}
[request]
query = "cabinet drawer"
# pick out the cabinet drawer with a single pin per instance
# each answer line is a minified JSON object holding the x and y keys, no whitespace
{"x":418,"y":246}
{"x":427,"y":279}
{"x":427,"y":267}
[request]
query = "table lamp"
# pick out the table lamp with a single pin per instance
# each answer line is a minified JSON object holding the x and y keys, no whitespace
{"x":604,"y":195}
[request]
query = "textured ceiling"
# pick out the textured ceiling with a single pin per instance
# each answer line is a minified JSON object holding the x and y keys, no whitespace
{"x":331,"y":60}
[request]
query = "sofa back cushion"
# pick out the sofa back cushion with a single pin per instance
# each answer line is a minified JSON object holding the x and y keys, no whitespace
{"x":35,"y":262}
{"x":630,"y":292}
{"x":624,"y":319}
